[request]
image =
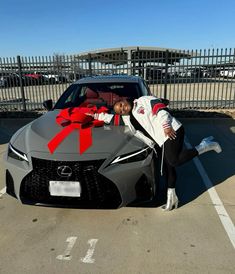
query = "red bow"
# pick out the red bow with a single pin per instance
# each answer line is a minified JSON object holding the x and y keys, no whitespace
{"x":76,"y":118}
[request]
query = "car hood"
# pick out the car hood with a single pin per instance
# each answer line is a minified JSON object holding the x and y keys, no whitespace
{"x":35,"y":136}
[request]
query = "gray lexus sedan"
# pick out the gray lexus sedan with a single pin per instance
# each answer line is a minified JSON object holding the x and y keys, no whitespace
{"x":116,"y":170}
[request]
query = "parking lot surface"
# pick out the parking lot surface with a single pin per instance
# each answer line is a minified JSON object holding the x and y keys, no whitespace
{"x":144,"y":239}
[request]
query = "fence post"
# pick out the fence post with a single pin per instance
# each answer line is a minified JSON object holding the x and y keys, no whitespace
{"x":89,"y":64}
{"x":74,"y":68}
{"x":166,"y":73}
{"x":21,"y":82}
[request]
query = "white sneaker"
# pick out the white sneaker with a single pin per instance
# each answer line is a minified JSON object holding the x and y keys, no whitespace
{"x":207,"y":145}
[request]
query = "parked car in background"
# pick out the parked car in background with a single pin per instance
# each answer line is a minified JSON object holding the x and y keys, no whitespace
{"x":34,"y":75}
{"x":33,"y":78}
{"x":116,"y":170}
{"x":9,"y":80}
{"x":227,"y":73}
{"x":193,"y":72}
{"x":185,"y":73}
{"x":54,"y":78}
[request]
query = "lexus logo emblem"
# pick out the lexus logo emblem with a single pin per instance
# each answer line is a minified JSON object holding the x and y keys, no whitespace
{"x":64,"y":171}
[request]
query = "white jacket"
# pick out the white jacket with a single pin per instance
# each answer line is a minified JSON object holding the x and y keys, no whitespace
{"x":153,"y":123}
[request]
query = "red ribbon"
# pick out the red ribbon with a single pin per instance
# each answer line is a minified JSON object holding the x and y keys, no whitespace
{"x":76,"y":118}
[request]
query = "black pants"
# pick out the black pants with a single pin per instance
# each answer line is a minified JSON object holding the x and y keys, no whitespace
{"x":175,"y":155}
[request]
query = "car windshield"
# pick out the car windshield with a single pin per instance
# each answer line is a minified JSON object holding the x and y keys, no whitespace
{"x":98,"y":94}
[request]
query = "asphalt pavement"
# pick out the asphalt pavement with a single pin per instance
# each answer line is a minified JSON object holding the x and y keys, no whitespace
{"x":198,"y":237}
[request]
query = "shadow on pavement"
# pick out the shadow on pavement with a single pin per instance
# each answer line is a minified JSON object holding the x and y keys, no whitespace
{"x":218,"y":167}
{"x":4,"y":137}
{"x":8,"y":126}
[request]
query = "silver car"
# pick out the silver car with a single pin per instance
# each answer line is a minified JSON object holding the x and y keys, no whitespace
{"x":116,"y":170}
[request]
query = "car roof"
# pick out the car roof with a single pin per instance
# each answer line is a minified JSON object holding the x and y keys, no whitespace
{"x":109,"y":79}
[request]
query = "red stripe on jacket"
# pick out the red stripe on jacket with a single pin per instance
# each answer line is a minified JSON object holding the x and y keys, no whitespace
{"x":157,"y":107}
{"x":116,"y":119}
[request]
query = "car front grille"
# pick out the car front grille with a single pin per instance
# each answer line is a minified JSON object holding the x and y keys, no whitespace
{"x":97,"y":190}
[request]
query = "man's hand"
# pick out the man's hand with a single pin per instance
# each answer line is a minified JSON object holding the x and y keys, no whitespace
{"x":90,"y":114}
{"x":170,"y":133}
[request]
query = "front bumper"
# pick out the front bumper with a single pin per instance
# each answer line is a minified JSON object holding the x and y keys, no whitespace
{"x":103,"y":186}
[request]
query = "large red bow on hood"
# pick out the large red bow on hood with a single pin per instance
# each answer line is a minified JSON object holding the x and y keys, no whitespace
{"x":76,"y":118}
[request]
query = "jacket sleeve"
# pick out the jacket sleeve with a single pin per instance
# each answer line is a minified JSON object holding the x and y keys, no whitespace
{"x":164,"y":118}
{"x":107,"y":118}
{"x":138,"y":134}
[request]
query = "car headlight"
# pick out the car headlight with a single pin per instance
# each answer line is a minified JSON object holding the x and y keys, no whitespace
{"x":132,"y":157}
{"x":16,"y":154}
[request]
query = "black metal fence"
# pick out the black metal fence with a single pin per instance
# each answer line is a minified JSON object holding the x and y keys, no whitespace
{"x":189,"y":79}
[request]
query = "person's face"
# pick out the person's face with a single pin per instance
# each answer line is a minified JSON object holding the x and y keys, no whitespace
{"x":122,"y":107}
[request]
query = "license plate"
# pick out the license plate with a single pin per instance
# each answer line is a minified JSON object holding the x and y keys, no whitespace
{"x":65,"y":188}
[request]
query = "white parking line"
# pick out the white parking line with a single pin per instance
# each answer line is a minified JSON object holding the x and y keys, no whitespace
{"x":66,"y":255}
{"x":88,"y":258}
{"x":218,"y":205}
{"x":3,"y":191}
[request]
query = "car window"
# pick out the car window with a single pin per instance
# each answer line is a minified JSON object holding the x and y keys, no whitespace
{"x":145,"y":88}
{"x":99,"y":94}
{"x":70,"y":98}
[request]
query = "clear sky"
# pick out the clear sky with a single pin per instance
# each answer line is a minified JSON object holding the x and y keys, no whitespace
{"x":46,"y":27}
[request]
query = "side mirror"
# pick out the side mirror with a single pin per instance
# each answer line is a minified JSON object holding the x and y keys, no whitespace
{"x":48,"y":104}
